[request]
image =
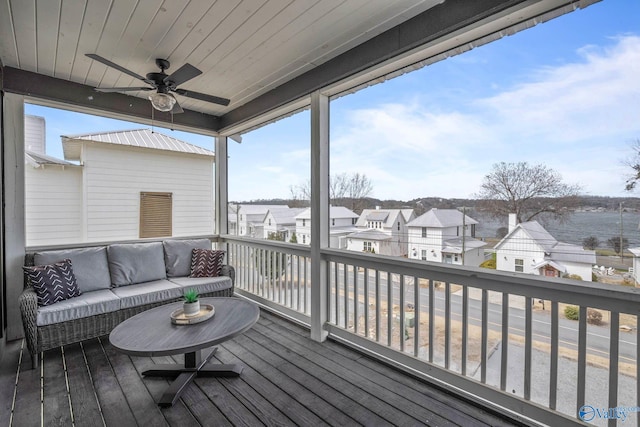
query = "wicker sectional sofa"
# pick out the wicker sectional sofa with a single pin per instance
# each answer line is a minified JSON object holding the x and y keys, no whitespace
{"x":117,"y":282}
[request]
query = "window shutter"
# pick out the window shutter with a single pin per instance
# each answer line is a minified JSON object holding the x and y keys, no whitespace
{"x":155,"y":214}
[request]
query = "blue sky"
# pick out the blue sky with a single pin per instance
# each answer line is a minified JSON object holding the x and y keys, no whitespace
{"x":565,"y":93}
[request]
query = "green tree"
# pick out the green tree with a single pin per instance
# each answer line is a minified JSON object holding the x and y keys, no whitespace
{"x":614,"y":243}
{"x":591,"y":242}
{"x":294,"y":238}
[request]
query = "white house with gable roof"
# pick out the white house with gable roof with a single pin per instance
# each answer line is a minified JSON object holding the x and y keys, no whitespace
{"x":381,"y":231}
{"x":529,"y":248}
{"x":343,"y":222}
{"x":281,"y":222}
{"x":248,"y":220}
{"x":445,"y":235}
{"x":118,"y":186}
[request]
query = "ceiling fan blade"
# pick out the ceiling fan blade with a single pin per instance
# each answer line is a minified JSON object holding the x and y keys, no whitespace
{"x":117,"y":67}
{"x":203,"y":97}
{"x":177,"y":109}
{"x":182,"y":74}
{"x":121,"y":89}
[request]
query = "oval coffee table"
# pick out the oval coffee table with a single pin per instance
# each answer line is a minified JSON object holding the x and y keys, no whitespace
{"x":151,"y":333}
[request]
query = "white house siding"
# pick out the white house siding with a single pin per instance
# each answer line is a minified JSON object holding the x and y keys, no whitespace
{"x":581,"y":269}
{"x":53,"y":205}
{"x":520,"y":246}
{"x":474,"y":258}
{"x":432,"y":243}
{"x":303,"y":232}
{"x":115,"y":177}
{"x":34,"y":134}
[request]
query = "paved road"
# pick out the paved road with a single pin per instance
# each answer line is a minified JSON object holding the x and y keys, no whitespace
{"x":597,"y":336}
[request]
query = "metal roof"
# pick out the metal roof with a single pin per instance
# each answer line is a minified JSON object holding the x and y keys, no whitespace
{"x":143,"y":138}
{"x":369,"y":235}
{"x":442,"y":218}
{"x":37,"y":159}
{"x":334,"y":212}
{"x":454,"y":246}
{"x":284,"y":216}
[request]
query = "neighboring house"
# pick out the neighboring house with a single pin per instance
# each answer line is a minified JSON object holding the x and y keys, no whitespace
{"x":635,"y":267}
{"x":445,"y":235}
{"x":247,"y":220}
{"x":342,"y":223}
{"x":53,"y":202}
{"x":382,"y":231}
{"x":122,"y":185}
{"x":529,"y":248}
{"x":281,"y":222}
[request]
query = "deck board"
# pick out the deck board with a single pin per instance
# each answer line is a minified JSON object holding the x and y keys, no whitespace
{"x":287,"y":380}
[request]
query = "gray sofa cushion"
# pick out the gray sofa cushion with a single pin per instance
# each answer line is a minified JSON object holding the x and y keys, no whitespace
{"x":203,"y":284}
{"x":177,"y":255}
{"x":90,"y":265}
{"x":131,"y":263}
{"x":87,"y":304}
{"x":147,"y":293}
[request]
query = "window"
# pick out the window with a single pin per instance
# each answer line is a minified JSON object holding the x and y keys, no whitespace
{"x":423,"y":254}
{"x":333,"y":221}
{"x":367,"y":246}
{"x":398,"y":225}
{"x":304,"y":224}
{"x":304,"y":239}
{"x":155,"y":214}
{"x":269,"y":221}
{"x":424,"y":231}
{"x":353,"y":221}
{"x":519,"y":265}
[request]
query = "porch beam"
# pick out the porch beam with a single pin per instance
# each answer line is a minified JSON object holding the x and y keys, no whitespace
{"x":319,"y":213}
{"x":78,"y":97}
{"x":221,"y":185}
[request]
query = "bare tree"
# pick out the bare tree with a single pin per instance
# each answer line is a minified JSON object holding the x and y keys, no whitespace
{"x":343,"y":188}
{"x":529,"y":191}
{"x":634,"y":164}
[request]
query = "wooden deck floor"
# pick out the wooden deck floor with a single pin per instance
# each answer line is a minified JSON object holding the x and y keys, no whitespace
{"x":287,"y":380}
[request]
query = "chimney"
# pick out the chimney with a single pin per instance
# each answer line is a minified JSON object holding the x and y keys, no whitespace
{"x":513,"y":221}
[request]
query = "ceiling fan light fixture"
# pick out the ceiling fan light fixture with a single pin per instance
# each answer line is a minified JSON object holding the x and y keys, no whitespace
{"x":162,"y":101}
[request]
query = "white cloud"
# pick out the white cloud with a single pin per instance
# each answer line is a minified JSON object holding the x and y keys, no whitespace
{"x":577,"y":116}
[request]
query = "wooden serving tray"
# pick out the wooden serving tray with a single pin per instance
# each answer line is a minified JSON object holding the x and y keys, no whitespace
{"x":206,"y":312}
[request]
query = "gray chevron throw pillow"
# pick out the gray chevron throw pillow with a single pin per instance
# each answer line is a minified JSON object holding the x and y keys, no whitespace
{"x":206,"y":262}
{"x":53,"y":282}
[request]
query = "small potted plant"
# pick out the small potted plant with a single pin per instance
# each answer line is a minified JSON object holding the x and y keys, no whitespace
{"x":191,"y":305}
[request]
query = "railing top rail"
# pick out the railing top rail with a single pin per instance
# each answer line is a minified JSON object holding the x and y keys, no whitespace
{"x":212,"y":237}
{"x":289,"y":248}
{"x":605,"y":296}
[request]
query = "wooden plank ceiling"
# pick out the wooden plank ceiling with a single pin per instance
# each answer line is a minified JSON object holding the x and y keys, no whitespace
{"x":244,"y":47}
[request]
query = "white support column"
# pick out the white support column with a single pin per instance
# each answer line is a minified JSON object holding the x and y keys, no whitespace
{"x":222,"y":187}
{"x":15,"y":239}
{"x":319,"y":212}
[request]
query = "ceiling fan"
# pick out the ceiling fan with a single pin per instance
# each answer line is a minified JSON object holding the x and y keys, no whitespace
{"x":163,"y":84}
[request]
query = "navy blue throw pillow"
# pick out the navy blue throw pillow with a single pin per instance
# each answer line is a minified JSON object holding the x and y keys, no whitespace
{"x":53,"y":282}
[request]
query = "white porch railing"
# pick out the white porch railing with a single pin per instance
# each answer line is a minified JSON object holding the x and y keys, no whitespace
{"x":501,"y":336}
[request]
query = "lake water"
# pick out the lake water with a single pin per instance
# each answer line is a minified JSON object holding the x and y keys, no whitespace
{"x":602,"y":225}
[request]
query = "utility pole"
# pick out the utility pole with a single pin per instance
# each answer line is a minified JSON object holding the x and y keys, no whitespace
{"x":464,"y":231}
{"x":621,"y":247}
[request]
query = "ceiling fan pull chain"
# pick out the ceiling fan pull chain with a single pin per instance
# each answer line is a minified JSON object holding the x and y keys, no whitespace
{"x":152,"y":116}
